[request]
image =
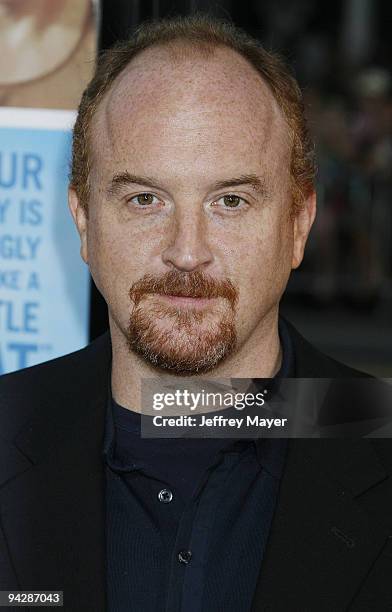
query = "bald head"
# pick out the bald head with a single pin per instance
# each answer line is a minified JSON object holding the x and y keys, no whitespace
{"x":203,"y":41}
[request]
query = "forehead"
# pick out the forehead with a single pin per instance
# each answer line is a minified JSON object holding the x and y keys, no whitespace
{"x":165,"y":108}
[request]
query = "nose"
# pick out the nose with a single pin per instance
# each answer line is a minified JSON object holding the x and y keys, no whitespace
{"x":188,"y":249}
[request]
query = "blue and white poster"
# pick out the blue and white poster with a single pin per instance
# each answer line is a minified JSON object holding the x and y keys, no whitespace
{"x":44,"y":284}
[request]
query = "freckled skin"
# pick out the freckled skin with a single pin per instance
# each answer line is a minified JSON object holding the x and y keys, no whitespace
{"x":189,"y":124}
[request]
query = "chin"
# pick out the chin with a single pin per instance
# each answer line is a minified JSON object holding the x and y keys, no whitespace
{"x":186,"y":344}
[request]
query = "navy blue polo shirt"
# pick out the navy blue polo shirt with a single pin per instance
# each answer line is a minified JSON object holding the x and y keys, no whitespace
{"x":187,"y":520}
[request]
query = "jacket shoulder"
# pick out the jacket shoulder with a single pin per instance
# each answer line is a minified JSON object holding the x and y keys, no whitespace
{"x":310,"y":362}
{"x":57,"y":380}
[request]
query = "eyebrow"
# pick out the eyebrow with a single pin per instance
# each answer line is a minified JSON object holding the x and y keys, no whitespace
{"x":254,"y":181}
{"x":123,"y":179}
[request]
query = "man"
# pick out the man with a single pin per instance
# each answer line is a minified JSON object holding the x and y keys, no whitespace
{"x":192,"y":192}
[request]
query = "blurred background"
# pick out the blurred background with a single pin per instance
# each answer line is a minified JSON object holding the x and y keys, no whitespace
{"x":340,"y":52}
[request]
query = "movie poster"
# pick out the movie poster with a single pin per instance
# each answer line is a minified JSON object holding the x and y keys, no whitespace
{"x":50,"y":48}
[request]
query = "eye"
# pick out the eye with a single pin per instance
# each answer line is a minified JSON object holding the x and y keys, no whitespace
{"x":230,"y":201}
{"x":144,"y":199}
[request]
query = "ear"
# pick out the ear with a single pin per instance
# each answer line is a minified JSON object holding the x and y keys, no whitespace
{"x":79,"y":215}
{"x":303,"y":222}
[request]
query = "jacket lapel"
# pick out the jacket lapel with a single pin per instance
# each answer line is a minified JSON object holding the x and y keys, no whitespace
{"x":53,"y":509}
{"x":322,"y":543}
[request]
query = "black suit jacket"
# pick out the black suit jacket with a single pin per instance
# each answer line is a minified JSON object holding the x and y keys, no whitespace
{"x":330,"y":545}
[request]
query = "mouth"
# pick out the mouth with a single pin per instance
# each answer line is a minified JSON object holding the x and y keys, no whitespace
{"x":181,"y":301}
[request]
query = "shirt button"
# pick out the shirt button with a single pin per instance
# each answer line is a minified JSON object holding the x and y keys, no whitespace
{"x":165,"y":496}
{"x":184,"y":556}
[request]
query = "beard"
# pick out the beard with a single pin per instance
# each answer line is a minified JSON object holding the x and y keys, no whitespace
{"x":182,"y":341}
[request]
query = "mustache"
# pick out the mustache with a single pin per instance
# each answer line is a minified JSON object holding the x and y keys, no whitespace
{"x":189,"y":284}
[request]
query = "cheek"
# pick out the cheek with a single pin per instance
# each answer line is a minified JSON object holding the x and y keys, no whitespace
{"x":116,"y":258}
{"x":262,"y":267}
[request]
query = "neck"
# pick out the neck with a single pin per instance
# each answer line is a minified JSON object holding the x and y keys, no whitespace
{"x":260,"y":356}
